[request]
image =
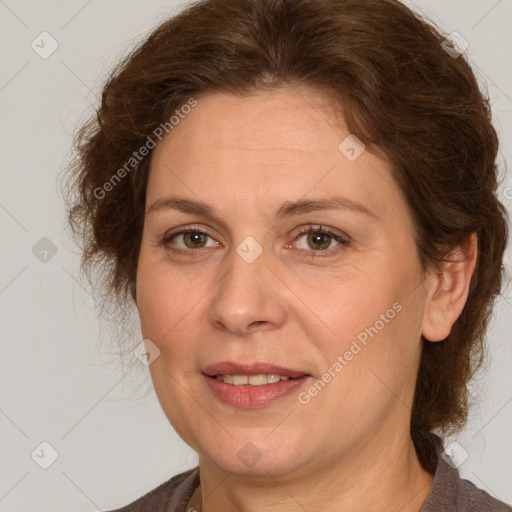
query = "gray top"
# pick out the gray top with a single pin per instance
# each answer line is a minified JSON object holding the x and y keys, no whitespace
{"x":449,"y":493}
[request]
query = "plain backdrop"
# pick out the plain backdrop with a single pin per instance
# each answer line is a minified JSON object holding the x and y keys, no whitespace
{"x":104,"y":428}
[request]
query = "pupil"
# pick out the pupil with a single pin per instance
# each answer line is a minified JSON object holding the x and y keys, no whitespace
{"x":316,"y":238}
{"x":195,"y":237}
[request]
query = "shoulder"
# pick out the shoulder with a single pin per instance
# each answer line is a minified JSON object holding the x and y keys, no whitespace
{"x":474,"y":499}
{"x":171,"y":496}
{"x":451,"y":493}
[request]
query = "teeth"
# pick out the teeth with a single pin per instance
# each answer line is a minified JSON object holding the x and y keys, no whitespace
{"x":239,"y":380}
{"x":252,"y":380}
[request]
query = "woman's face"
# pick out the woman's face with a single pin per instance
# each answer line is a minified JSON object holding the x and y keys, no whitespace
{"x":342,"y":306}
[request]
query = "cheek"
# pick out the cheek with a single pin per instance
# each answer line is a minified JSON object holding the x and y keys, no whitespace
{"x":172,"y":306}
{"x":164,"y":295}
{"x":347,"y":309}
{"x":370,"y":370}
{"x":366,"y":328}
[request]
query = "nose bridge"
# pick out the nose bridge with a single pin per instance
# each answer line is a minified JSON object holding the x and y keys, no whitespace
{"x":247,"y":294}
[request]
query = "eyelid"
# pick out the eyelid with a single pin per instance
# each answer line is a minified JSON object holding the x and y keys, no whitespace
{"x":187,"y":228}
{"x":183,"y":230}
{"x":343,"y":240}
{"x":313,"y":228}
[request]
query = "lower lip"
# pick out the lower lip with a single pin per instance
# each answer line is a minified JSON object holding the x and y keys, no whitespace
{"x":253,"y":397}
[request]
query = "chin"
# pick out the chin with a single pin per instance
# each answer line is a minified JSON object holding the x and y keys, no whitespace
{"x":248,"y":459}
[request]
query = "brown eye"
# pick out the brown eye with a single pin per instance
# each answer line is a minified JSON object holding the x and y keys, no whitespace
{"x":194,"y":239}
{"x":317,"y":240}
{"x":186,"y":241}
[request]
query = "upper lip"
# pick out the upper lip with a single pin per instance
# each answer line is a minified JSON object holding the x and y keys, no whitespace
{"x":231,"y":368}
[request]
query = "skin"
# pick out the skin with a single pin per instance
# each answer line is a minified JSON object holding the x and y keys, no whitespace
{"x":348,"y":448}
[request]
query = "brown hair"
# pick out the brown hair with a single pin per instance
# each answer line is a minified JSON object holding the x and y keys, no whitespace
{"x":402,"y":93}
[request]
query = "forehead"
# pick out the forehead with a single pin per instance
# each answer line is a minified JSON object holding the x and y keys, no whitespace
{"x":281,"y":142}
{"x":281,"y":119}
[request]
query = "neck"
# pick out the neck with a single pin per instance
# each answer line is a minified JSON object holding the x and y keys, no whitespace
{"x":374,"y":477}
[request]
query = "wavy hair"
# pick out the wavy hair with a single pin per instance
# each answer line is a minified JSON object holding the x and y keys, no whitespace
{"x":402,"y":93}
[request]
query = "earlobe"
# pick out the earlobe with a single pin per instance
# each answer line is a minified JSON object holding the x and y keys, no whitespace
{"x":448,"y":290}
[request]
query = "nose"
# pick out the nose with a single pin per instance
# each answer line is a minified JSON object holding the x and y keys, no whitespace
{"x":248,"y":297}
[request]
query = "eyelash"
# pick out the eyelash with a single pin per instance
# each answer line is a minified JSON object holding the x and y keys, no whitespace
{"x":343,"y":242}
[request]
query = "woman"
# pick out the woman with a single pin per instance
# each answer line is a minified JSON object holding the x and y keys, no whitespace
{"x":299,"y":197}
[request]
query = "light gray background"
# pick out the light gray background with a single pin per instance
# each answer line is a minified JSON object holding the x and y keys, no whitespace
{"x":113,"y":441}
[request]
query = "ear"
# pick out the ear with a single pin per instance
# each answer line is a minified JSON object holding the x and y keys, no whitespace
{"x":448,"y":289}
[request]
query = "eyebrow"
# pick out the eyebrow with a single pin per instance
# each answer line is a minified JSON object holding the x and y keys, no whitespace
{"x":287,"y":209}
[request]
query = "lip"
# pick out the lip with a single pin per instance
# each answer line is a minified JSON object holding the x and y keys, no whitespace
{"x":254,"y":397}
{"x":231,"y":368}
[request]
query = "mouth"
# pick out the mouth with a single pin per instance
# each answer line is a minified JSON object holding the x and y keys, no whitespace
{"x":253,"y":386}
{"x":260,"y":379}
{"x":251,"y":374}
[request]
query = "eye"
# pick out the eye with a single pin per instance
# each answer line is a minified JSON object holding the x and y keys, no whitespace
{"x":188,"y":240}
{"x":315,"y":241}
{"x":321,"y":239}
